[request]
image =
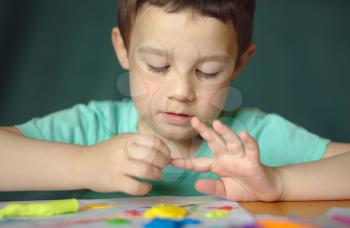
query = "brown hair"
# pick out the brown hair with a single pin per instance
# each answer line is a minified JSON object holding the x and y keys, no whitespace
{"x":238,"y":12}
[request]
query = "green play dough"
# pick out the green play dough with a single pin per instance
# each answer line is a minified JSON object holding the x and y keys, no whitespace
{"x":55,"y":207}
{"x":120,"y":221}
{"x":217,"y":214}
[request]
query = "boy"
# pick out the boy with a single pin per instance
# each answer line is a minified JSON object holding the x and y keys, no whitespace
{"x":181,"y":56}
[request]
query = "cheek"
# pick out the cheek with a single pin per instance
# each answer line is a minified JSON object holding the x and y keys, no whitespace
{"x":218,"y":99}
{"x":143,"y":90}
{"x":213,"y":102}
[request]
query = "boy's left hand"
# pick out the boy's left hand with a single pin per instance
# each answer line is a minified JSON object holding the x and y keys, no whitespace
{"x":236,"y":162}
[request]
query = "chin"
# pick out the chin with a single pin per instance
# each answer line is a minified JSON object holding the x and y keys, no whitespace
{"x":178,"y":135}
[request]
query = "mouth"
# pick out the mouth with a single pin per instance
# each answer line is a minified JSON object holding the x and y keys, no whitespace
{"x":177,"y":118}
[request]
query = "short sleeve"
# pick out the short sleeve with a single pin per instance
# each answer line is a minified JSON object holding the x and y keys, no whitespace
{"x":281,"y":142}
{"x":81,"y":124}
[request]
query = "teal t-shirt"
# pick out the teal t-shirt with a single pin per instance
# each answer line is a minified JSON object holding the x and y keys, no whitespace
{"x":281,"y":142}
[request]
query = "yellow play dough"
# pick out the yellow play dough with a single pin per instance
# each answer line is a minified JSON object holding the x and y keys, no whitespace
{"x":165,"y":211}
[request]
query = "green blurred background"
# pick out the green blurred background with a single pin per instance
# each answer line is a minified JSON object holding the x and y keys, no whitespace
{"x":54,"y":54}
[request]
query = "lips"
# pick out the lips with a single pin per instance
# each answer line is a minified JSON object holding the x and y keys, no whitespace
{"x":176,"y":118}
{"x":178,"y":114}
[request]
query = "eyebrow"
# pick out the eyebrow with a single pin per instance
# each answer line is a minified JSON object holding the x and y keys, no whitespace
{"x":152,"y":51}
{"x":216,"y":58}
{"x":212,"y":58}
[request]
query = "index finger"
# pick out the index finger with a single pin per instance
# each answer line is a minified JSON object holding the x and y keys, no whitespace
{"x":215,"y":141}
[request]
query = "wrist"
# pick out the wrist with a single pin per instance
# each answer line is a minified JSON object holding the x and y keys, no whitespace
{"x":82,"y":164}
{"x":277,"y":176}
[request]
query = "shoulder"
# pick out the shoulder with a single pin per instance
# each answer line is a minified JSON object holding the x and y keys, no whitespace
{"x":84,"y":124}
{"x":254,"y":119}
{"x":94,"y":111}
{"x":260,"y":124}
{"x":108,"y":108}
{"x":108,"y":105}
{"x":121,"y":114}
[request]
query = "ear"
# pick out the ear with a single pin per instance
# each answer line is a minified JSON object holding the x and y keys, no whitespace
{"x":244,"y":59}
{"x":119,"y":48}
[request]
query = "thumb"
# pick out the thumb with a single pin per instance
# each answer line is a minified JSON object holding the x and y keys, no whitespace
{"x":194,"y":164}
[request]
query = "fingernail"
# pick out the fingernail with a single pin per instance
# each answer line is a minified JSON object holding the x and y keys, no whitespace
{"x":194,"y":121}
{"x":218,"y":122}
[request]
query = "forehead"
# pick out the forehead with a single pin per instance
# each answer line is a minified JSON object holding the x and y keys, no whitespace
{"x":155,"y":27}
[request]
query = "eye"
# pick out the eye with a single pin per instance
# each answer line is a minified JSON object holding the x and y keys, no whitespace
{"x":206,"y":75}
{"x":158,"y":70}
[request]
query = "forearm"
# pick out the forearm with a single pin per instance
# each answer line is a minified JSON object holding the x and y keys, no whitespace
{"x":320,"y":180}
{"x":28,"y":164}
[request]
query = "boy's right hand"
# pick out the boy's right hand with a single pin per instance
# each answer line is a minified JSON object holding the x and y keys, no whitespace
{"x":113,"y":165}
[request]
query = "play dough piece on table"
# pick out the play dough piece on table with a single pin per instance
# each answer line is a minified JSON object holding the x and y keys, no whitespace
{"x":277,"y":224}
{"x":133,"y":213}
{"x":217,"y":214}
{"x":169,"y":223}
{"x":96,"y":206}
{"x":55,"y":207}
{"x":225,"y":208}
{"x":161,"y":223}
{"x":118,"y":221}
{"x":189,"y":221}
{"x":165,"y":211}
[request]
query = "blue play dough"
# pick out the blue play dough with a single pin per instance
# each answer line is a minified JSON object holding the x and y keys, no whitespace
{"x":190,"y":221}
{"x":159,"y":223}
{"x":168,"y":223}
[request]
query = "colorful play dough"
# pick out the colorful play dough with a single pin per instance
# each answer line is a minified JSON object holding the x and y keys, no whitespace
{"x":217,"y":214}
{"x":341,"y":219}
{"x":169,"y":223}
{"x":96,"y":206}
{"x":118,"y":221}
{"x":276,"y":224}
{"x":165,"y":211}
{"x":160,"y":223}
{"x":133,"y":213}
{"x":55,"y":207}
{"x":189,"y":221}
{"x":225,"y":208}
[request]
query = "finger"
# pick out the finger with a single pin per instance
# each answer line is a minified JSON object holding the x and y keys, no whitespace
{"x":215,"y":142}
{"x":252,"y":148}
{"x":233,"y":142}
{"x":211,"y":187}
{"x":148,"y":155}
{"x":194,"y":164}
{"x":143,"y":170}
{"x":151,"y":141}
{"x":134,"y":187}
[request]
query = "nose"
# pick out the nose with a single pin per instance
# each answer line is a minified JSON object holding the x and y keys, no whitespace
{"x":181,"y":89}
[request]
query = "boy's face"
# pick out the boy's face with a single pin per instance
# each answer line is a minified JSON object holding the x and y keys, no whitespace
{"x":181,"y":65}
